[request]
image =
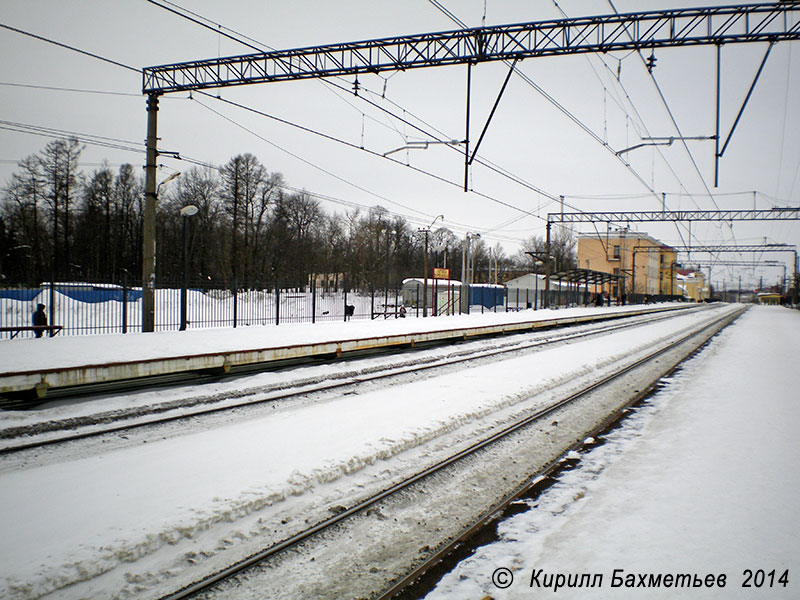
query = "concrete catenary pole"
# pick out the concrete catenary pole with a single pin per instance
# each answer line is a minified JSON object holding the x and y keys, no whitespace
{"x":149,"y":220}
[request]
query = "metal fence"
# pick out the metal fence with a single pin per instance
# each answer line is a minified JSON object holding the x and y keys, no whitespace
{"x":82,"y":308}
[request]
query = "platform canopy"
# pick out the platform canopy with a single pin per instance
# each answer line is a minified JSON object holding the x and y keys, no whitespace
{"x":586,"y":276}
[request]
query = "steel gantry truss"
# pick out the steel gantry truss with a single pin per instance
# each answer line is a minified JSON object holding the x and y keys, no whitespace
{"x":723,"y":248}
{"x":763,"y":22}
{"x":775,"y":214}
{"x":719,"y":248}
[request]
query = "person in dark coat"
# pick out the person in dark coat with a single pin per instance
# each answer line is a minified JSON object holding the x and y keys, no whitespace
{"x":39,"y":320}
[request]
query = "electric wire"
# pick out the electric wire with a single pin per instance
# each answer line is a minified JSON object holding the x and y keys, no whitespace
{"x":555,"y":103}
{"x":452,"y":225}
{"x":239,"y":38}
{"x":65,"y":89}
{"x":106,"y":142}
{"x":677,"y":128}
{"x":292,"y":154}
{"x":499,"y":171}
{"x":201,"y":24}
{"x":643,"y":125}
{"x":86,"y":138}
{"x":487,"y":164}
{"x":355,"y":147}
{"x":73,"y":48}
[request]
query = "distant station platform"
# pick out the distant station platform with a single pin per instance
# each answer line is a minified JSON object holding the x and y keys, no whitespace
{"x":35,"y":366}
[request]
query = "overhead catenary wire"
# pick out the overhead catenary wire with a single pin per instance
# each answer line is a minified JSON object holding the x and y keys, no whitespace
{"x":643,"y":126}
{"x":86,"y":138}
{"x":66,"y":89}
{"x":680,"y":134}
{"x":355,"y":147}
{"x":483,"y":162}
{"x":214,"y":26}
{"x":72,"y":48}
{"x":588,"y":130}
{"x":489,"y":165}
{"x":452,"y":225}
{"x":97,"y":140}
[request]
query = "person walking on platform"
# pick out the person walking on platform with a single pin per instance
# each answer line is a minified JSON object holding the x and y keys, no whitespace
{"x":39,"y":320}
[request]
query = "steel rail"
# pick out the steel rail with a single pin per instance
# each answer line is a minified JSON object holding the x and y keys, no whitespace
{"x":536,"y":416}
{"x":547,"y":471}
{"x":106,"y":376}
{"x":347,"y":380}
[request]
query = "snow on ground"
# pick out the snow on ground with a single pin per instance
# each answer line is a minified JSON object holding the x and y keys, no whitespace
{"x":703,"y":479}
{"x":98,"y":518}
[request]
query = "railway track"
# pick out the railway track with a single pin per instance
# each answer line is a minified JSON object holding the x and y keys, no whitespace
{"x":118,"y":372}
{"x":640,"y":370}
{"x":350,"y":375}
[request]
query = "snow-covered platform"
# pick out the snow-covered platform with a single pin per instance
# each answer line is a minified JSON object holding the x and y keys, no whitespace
{"x":47,"y":363}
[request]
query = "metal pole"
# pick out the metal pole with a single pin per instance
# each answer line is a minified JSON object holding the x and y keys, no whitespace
{"x":235,"y":302}
{"x":716,"y":136}
{"x":466,"y":138}
{"x":124,"y":301}
{"x":546,"y":302}
{"x":52,"y":300}
{"x":277,"y":303}
{"x":386,"y":281}
{"x":425,"y":279}
{"x":185,"y":271}
{"x":149,"y":220}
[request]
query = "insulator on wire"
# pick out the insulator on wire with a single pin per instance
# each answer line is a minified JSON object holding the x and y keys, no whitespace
{"x":651,"y":61}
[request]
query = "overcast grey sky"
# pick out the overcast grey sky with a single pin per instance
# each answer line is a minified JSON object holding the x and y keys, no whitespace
{"x":529,"y":136}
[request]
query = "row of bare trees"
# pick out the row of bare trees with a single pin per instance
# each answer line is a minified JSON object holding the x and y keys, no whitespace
{"x":61,"y":223}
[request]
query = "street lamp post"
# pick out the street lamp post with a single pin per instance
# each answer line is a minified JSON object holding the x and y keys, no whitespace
{"x":187,"y":211}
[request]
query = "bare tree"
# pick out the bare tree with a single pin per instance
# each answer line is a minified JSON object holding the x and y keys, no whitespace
{"x":242,"y":179}
{"x":562,"y":250}
{"x":60,"y":168}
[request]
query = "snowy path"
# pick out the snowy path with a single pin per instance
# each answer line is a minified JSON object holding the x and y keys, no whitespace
{"x":702,"y":480}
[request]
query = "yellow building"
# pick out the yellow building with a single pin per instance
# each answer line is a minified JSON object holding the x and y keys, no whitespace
{"x":668,"y":268}
{"x":772,"y":298}
{"x":692,"y":284}
{"x":647,"y":265}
